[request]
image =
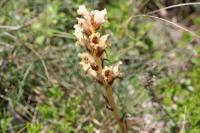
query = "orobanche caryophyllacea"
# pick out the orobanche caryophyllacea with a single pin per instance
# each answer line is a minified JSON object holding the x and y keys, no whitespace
{"x":92,"y":61}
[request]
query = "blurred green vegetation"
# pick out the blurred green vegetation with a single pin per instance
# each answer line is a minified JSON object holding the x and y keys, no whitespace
{"x":43,"y":89}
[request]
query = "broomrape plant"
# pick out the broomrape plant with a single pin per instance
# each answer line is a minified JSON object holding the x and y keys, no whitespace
{"x":92,"y":61}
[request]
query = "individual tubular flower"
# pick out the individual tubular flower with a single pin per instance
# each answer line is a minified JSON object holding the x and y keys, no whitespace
{"x":91,"y":21}
{"x":104,"y":41}
{"x":99,"y":44}
{"x":111,"y":73}
{"x":99,"y":17}
{"x":88,"y":64}
{"x":81,"y":37}
{"x":84,"y":24}
{"x":83,"y":11}
{"x":98,"y":41}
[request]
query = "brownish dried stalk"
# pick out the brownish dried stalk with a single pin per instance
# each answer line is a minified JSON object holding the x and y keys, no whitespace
{"x":93,"y":59}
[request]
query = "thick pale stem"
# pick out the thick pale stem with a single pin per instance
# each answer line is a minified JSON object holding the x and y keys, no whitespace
{"x":113,"y":106}
{"x":109,"y":94}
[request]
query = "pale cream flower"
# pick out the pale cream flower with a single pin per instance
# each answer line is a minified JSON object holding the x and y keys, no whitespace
{"x":107,"y":74}
{"x":97,"y":41}
{"x":84,"y":25}
{"x":83,"y":11}
{"x":87,"y":64}
{"x":111,"y":73}
{"x":99,"y":16}
{"x":104,"y":41}
{"x":98,"y":44}
{"x":82,"y":39}
{"x":78,"y":31}
{"x":116,"y":69}
{"x":88,"y":70}
{"x":86,"y":58}
{"x":92,"y":20}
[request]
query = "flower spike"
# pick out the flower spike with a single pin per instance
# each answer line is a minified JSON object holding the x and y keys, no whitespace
{"x":92,"y":61}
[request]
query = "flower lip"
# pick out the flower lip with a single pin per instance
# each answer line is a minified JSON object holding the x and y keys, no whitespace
{"x":95,"y":38}
{"x":111,"y":73}
{"x":107,"y":73}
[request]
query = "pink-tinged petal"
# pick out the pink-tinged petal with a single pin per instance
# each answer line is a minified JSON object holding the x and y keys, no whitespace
{"x":92,"y":73}
{"x":116,"y":70}
{"x":81,"y":37}
{"x":100,"y":16}
{"x":88,"y":70}
{"x":78,"y":32}
{"x":87,"y":61}
{"x":104,"y":41}
{"x":85,"y":66}
{"x":84,"y":25}
{"x":83,"y":11}
{"x":86,"y":57}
